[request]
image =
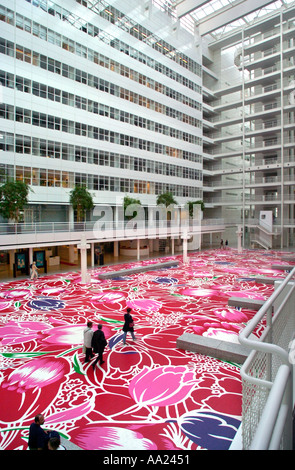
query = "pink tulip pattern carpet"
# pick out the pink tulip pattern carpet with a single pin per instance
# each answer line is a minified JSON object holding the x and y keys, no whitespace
{"x":148,"y":395}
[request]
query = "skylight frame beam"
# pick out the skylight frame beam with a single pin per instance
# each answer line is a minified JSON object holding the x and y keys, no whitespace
{"x":229,"y":14}
{"x":189,"y":6}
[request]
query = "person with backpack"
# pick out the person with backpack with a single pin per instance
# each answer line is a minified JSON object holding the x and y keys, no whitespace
{"x":128,"y":325}
{"x":98,"y":344}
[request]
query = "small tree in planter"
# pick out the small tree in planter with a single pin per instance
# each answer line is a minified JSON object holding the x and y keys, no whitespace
{"x":81,"y":200}
{"x":191,"y":206}
{"x":13,"y":199}
{"x":127,"y":202}
{"x":166,"y":199}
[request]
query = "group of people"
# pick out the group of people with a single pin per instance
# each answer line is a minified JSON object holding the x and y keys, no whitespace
{"x":221,"y":244}
{"x":41,"y":439}
{"x":95,"y":341}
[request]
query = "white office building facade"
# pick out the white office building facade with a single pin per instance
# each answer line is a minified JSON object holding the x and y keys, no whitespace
{"x":91,"y":96}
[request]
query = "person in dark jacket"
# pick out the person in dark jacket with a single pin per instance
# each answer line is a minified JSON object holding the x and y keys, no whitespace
{"x":38,"y":438}
{"x":98,"y":343}
{"x":128,"y":325}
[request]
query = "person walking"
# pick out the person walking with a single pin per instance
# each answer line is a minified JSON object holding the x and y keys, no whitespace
{"x":87,"y":337}
{"x":128,"y":325}
{"x":98,"y":344}
{"x":34,"y":273}
{"x":38,"y":438}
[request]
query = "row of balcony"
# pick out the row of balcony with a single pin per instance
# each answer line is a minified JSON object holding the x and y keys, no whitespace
{"x":272,"y":124}
{"x":259,"y":111}
{"x":88,"y":228}
{"x":250,"y":199}
{"x":273,"y":143}
{"x":267,"y":180}
{"x":257,"y":70}
{"x":69,"y":233}
{"x":219,"y":166}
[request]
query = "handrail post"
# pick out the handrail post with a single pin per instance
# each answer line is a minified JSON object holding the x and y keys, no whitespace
{"x":270,"y":337}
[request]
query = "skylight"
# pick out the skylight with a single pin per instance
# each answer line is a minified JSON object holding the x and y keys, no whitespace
{"x":214,"y":6}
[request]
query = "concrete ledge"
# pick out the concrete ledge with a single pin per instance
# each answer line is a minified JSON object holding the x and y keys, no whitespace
{"x":283,"y":267}
{"x":290,"y":258}
{"x":137,"y":269}
{"x":224,"y":350}
{"x":266,"y":280}
{"x":244,"y":302}
{"x":68,"y":444}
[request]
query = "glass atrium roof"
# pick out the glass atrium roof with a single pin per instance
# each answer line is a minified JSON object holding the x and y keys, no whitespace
{"x":211,"y":8}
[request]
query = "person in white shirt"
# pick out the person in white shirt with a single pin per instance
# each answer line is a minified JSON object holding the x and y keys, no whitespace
{"x":87,"y":334}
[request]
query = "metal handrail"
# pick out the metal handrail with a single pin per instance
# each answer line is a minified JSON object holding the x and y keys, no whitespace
{"x":51,"y":227}
{"x":248,"y":330}
{"x":269,"y":431}
{"x":278,"y":406}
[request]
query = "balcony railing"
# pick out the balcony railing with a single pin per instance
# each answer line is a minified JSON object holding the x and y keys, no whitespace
{"x":51,"y":232}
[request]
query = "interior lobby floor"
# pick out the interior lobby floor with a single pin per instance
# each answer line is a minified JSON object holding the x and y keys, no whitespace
{"x":109,"y":259}
{"x":148,"y":394}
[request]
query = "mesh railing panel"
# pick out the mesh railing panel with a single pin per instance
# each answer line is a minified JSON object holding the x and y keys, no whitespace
{"x":265,"y":366}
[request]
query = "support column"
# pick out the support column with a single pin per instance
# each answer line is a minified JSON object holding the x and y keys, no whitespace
{"x":31,"y":255}
{"x":172,"y":245}
{"x":138,"y":248}
{"x":11,"y":259}
{"x":71,"y":218}
{"x":151,"y":245}
{"x":116,"y":249}
{"x":71,"y":254}
{"x":239,"y":233}
{"x":92,"y":255}
{"x":83,"y":251}
{"x":184,"y":247}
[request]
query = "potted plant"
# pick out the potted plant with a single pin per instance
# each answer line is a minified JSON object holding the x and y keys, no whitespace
{"x":82,"y":201}
{"x":166,"y":199}
{"x":127,"y":202}
{"x":191,"y":206}
{"x":13,"y":199}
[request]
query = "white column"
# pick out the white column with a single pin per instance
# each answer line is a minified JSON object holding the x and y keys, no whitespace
{"x":116,"y":249}
{"x":92,"y":255}
{"x":11,"y":259}
{"x":30,"y":255}
{"x":71,"y":218}
{"x":71,"y":254}
{"x":184,"y":247}
{"x":239,"y":233}
{"x":138,"y":248}
{"x":83,"y":251}
{"x":151,"y":245}
{"x":172,"y":245}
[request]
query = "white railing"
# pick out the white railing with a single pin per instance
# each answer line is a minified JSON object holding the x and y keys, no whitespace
{"x":58,"y":233}
{"x":267,"y":372}
{"x":56,"y":227}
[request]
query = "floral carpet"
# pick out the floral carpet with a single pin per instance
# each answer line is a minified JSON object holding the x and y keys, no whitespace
{"x":148,"y":395}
